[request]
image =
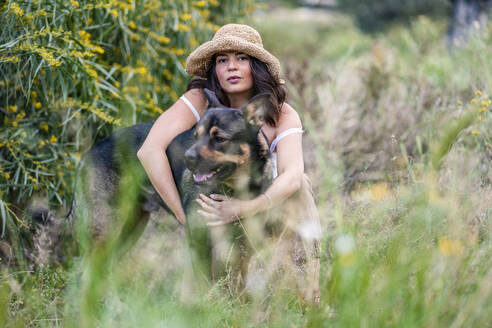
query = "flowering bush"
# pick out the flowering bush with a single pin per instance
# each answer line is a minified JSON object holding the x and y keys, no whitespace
{"x":71,"y":71}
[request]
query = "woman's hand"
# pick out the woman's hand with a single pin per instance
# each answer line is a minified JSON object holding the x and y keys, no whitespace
{"x":221,"y":209}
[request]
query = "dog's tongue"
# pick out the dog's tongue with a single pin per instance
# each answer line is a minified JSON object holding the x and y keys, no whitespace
{"x":199,"y":177}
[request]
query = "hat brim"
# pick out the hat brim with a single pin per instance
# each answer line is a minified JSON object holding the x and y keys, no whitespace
{"x":200,"y":59}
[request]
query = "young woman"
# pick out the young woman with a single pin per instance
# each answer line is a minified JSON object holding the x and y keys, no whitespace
{"x":236,"y":67}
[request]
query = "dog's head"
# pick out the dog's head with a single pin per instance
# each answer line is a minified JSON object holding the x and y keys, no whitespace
{"x":226,"y":140}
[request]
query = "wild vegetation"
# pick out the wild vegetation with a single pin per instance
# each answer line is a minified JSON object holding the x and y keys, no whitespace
{"x":398,"y":143}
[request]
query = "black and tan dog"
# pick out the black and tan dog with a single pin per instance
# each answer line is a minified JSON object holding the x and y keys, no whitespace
{"x":225,"y":153}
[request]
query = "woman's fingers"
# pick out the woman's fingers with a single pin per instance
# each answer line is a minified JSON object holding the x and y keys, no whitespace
{"x":208,"y":215}
{"x":215,"y":223}
{"x":222,"y":221}
{"x":209,"y":201}
{"x":219,"y":197}
{"x":207,"y":207}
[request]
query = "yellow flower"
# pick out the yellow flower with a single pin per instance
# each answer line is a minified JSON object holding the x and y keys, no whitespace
{"x":53,"y":139}
{"x":75,"y":3}
{"x":200,"y":4}
{"x":21,"y":115}
{"x":34,"y":94}
{"x":480,"y":118}
{"x":41,"y":143}
{"x":91,"y":72}
{"x":6,"y":175}
{"x":478,"y":92}
{"x":473,"y":101}
{"x":12,"y":109}
{"x":16,"y":9}
{"x":183,"y":28}
{"x":44,"y":127}
{"x":142,"y":70}
{"x":84,"y":35}
{"x":193,"y":42}
{"x":186,"y":17}
{"x":379,"y":190}
{"x":475,"y":132}
{"x":483,"y":109}
{"x":448,"y":246}
{"x":98,"y":49}
{"x":163,"y":39}
{"x":178,"y":52}
{"x":132,"y":25}
{"x":460,"y":102}
{"x":37,"y":105}
{"x":117,"y":84}
{"x":114,"y":13}
{"x":485,"y":103}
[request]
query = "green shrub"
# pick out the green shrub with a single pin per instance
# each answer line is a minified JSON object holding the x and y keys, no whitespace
{"x":374,"y":15}
{"x":71,"y":71}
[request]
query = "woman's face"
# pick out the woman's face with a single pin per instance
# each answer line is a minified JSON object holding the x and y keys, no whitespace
{"x":234,"y":72}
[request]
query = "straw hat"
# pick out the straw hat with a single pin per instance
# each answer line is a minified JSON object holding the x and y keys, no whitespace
{"x":232,"y":37}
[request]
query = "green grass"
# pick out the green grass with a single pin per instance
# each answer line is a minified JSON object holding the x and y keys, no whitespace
{"x":403,"y":181}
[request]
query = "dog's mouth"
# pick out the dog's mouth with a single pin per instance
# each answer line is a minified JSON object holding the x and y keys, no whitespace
{"x":212,"y":176}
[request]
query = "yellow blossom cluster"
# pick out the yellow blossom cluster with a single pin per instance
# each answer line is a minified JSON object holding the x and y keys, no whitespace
{"x":72,"y":103}
{"x":9,"y":59}
{"x":45,"y":53}
{"x":90,"y":71}
{"x":14,"y":7}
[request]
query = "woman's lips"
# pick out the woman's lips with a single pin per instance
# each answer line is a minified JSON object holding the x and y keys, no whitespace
{"x":233,"y":79}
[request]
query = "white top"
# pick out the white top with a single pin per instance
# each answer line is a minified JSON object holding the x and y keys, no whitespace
{"x":191,"y":107}
{"x":272,"y":146}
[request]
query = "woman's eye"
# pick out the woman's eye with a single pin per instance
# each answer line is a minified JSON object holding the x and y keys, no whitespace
{"x":243,"y":58}
{"x":222,"y":60}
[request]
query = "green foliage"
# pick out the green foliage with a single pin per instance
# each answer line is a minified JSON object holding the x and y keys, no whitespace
{"x":408,"y":244}
{"x":375,"y":15}
{"x":71,"y":71}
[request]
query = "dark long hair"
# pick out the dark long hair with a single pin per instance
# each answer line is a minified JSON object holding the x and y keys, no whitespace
{"x":263,"y":82}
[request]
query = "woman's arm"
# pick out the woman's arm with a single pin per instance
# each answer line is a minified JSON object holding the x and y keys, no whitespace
{"x":290,"y":171}
{"x":152,"y":154}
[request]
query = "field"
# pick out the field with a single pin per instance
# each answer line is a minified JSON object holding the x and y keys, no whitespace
{"x":398,"y":144}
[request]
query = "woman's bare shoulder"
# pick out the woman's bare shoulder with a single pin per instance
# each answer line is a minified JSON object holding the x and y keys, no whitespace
{"x":198,"y":99}
{"x":289,"y":118}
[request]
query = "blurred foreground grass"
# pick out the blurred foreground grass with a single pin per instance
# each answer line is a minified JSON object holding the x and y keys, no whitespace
{"x":399,"y":145}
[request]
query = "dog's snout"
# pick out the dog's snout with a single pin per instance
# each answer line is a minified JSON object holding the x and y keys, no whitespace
{"x":191,"y":158}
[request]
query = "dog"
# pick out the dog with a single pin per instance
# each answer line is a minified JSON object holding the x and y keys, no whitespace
{"x":225,"y":153}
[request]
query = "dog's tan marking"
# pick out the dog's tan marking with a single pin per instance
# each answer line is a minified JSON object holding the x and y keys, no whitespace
{"x":200,"y":131}
{"x":206,"y":153}
{"x":263,"y":143}
{"x":238,"y":159}
{"x":213,"y":130}
{"x":250,"y":110}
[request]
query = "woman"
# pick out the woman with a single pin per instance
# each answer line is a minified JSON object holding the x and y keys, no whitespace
{"x":236,"y":67}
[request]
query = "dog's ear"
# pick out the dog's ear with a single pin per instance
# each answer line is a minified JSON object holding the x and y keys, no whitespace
{"x":255,"y":110}
{"x":213,"y":101}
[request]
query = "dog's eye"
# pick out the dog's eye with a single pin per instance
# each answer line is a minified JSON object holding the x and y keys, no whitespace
{"x":219,"y":139}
